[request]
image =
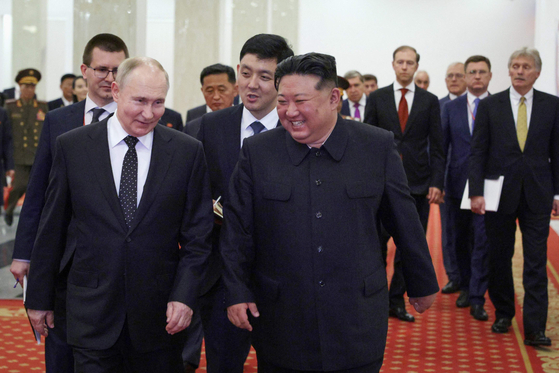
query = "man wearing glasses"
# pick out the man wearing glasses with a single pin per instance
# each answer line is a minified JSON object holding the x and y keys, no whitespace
{"x":458,"y":121}
{"x":102,"y":56}
{"x":413,"y":115}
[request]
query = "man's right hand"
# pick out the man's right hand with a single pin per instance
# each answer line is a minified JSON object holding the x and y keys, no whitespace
{"x":237,"y":314}
{"x":19,"y":269}
{"x":40,"y":320}
{"x":478,"y":205}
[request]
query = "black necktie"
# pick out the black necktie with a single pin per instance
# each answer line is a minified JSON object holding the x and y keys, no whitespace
{"x":128,"y":193}
{"x":257,"y":127}
{"x":97,"y":112}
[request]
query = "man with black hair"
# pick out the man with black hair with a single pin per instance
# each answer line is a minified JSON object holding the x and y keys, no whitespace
{"x":219,"y":87}
{"x":222,"y":133}
{"x":300,"y":242}
{"x":101,"y":58}
{"x":67,"y":95}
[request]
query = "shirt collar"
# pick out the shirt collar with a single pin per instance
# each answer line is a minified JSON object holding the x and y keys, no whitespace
{"x":472,"y":97}
{"x":409,"y":87}
{"x":66,"y":102}
{"x":270,"y":121}
{"x":117,"y":134}
{"x":515,"y":96}
{"x":362,"y":100}
{"x":89,"y":104}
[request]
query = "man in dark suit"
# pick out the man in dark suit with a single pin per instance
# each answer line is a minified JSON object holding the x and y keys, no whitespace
{"x":172,"y":119}
{"x":413,"y":115}
{"x":102,"y":52}
{"x":516,"y":135}
{"x":222,"y":133}
{"x":354,"y":105}
{"x":138,"y":195}
{"x":456,"y":85}
{"x":300,"y":242}
{"x":67,"y":95}
{"x":219,"y":87}
{"x":469,"y":239}
{"x":6,"y":144}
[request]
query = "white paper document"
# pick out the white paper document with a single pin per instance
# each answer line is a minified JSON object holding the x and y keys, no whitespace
{"x":491,"y":192}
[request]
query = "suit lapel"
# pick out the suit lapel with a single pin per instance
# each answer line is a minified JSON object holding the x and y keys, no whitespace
{"x":76,"y":115}
{"x":161,"y":157}
{"x":231,"y":139}
{"x":389,"y":102}
{"x":537,"y":108}
{"x":98,"y":152}
{"x":509,"y":126}
{"x":464,"y":121}
{"x":415,"y":108}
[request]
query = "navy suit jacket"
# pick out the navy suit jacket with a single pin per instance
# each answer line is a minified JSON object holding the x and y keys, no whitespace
{"x":301,"y":240}
{"x":55,"y":104}
{"x":345,"y":108}
{"x":496,"y":152}
{"x":191,"y":128}
{"x":196,"y":112}
{"x":120,"y":274}
{"x":421,"y":144}
{"x":172,"y":119}
{"x":56,"y":123}
{"x":444,"y":100}
{"x":457,"y":147}
{"x":6,"y":143}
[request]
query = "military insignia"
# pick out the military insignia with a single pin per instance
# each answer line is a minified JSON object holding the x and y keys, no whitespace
{"x":40,"y":115}
{"x":170,"y":125}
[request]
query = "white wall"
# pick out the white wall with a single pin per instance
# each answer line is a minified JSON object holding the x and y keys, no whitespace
{"x":60,"y":28}
{"x":362,"y":34}
{"x":547,"y":43}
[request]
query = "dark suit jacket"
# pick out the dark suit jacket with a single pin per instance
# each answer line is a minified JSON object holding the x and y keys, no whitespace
{"x":300,"y":239}
{"x":196,"y":112}
{"x":56,"y":123}
{"x":55,"y":104}
{"x":6,"y":143}
{"x":120,"y":274}
{"x":496,"y":152}
{"x":191,"y":128}
{"x":457,"y":147}
{"x":172,"y":119}
{"x":345,"y":107}
{"x":421,"y":144}
{"x":444,"y":100}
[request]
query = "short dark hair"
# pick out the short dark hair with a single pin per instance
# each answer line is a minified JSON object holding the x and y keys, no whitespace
{"x":477,"y":58}
{"x":317,"y":64}
{"x":368,"y":77}
{"x":105,"y":42}
{"x":67,"y":76}
{"x":403,"y":48}
{"x":267,"y":47}
{"x":218,"y":69}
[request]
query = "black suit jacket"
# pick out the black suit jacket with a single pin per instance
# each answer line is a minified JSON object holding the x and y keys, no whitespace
{"x":172,"y":119}
{"x":55,"y":104}
{"x":421,"y":144}
{"x":56,"y":123}
{"x":196,"y":112}
{"x":6,"y":143}
{"x":301,"y":239}
{"x":118,"y":274}
{"x":191,"y":128}
{"x":496,"y":152}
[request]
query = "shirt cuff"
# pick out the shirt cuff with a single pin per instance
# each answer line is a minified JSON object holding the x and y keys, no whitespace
{"x":21,"y":260}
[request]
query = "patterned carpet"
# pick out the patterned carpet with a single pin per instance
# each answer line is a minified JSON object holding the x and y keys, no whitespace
{"x":444,"y":339}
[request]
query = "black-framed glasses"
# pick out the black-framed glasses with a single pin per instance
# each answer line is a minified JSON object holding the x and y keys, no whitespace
{"x":103,"y":72}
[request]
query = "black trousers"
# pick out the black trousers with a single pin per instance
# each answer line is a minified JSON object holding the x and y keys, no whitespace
{"x":264,"y":367}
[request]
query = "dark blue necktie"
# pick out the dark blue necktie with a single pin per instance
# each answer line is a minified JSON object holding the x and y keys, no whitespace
{"x":97,"y":112}
{"x":128,"y":193}
{"x":257,"y":127}
{"x":476,"y":103}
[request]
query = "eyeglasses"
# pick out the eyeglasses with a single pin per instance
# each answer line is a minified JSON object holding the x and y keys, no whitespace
{"x":457,"y":76}
{"x":480,"y":72}
{"x":103,"y":72}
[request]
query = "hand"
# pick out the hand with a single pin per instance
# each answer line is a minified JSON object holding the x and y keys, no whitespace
{"x":40,"y":320}
{"x":19,"y":269}
{"x":478,"y":205}
{"x":421,"y":304}
{"x":434,"y":195}
{"x":179,"y":316}
{"x":555,"y":210}
{"x":237,"y":314}
{"x":10,"y":173}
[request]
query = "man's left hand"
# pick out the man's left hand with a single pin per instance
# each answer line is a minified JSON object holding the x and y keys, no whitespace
{"x":178,"y":317}
{"x":555,"y":210}
{"x":40,"y":320}
{"x":421,"y":304}
{"x":435,"y":195}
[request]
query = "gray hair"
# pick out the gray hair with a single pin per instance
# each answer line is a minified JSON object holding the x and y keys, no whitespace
{"x":354,"y":74}
{"x":530,"y":53}
{"x":130,"y":64}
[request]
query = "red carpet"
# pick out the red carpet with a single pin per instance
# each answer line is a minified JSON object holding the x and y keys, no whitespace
{"x":443,"y":339}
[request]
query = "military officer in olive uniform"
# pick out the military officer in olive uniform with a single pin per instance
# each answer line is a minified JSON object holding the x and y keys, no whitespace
{"x":26,"y":116}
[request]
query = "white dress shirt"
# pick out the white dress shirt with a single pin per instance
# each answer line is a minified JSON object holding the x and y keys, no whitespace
{"x":118,"y":148}
{"x":471,"y":106}
{"x":515,"y":103}
{"x":362,"y":102}
{"x":270,"y":121}
{"x":90,"y":105}
{"x":66,"y":102}
{"x":409,"y":94}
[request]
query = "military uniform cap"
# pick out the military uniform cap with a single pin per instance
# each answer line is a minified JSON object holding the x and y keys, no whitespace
{"x":28,"y":76}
